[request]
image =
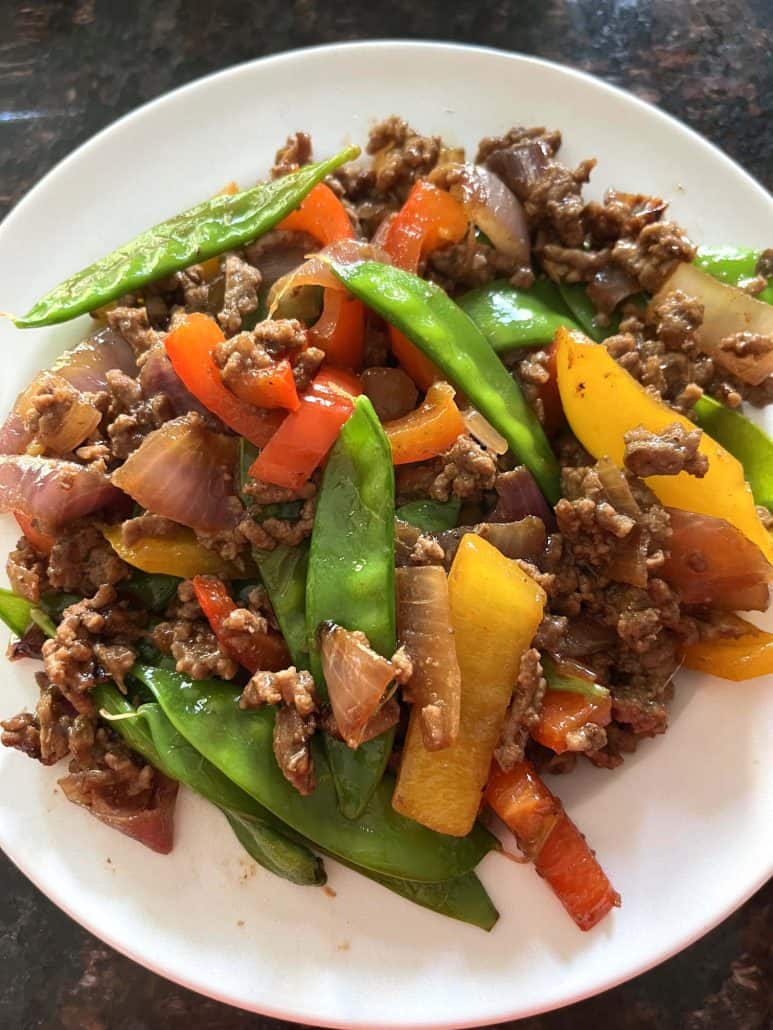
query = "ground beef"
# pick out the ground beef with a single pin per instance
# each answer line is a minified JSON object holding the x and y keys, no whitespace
{"x":195,"y":288}
{"x":306,"y":367}
{"x":71,"y":660}
{"x":242,"y":282}
{"x":523,"y":711}
{"x":49,"y":405}
{"x":466,"y":470}
{"x":26,"y":570}
{"x":667,"y":453}
{"x":133,"y":324}
{"x":81,"y":561}
{"x":144,"y":526}
{"x":677,"y":318}
{"x":130,"y":416}
{"x":296,"y":720}
{"x":471,"y":263}
{"x":295,"y":153}
{"x":547,"y":140}
{"x":746,"y":344}
{"x":654,"y":254}
{"x":270,"y":341}
{"x":44,"y":735}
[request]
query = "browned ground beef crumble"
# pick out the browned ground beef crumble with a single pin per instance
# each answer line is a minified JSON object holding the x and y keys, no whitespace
{"x":599,"y":563}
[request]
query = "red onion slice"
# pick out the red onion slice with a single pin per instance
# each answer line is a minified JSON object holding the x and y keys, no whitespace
{"x":492,"y":207}
{"x":519,"y":496}
{"x":53,"y":491}
{"x":184,"y":472}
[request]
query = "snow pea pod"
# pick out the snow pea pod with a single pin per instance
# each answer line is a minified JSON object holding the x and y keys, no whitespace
{"x":746,"y":441}
{"x":203,"y":231}
{"x":283,"y":572}
{"x":16,"y":612}
{"x":153,"y":590}
{"x":736,"y":266}
{"x":351,"y":578}
{"x":431,"y":516}
{"x":449,"y":337}
{"x":239,"y":743}
{"x":575,"y":296}
{"x":511,"y":318}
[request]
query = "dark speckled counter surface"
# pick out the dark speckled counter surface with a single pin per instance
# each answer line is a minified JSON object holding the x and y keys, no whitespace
{"x":69,"y":68}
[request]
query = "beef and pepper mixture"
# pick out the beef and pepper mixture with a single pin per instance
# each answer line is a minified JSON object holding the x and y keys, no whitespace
{"x":438,"y":468}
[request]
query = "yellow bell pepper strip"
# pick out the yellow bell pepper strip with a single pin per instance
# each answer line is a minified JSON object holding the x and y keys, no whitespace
{"x":495,"y":611}
{"x":602,"y":402}
{"x":428,"y":430}
{"x":733,"y":658}
{"x":176,"y":554}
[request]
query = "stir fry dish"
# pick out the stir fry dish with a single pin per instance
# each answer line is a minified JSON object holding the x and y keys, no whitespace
{"x":381,"y":492}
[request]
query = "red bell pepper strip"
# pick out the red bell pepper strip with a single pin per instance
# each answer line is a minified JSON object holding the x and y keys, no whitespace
{"x":547,"y":835}
{"x":563,"y":711}
{"x":340,"y":330}
{"x":255,"y":651}
{"x":270,"y":387}
{"x":190,"y":348}
{"x":428,"y":219}
{"x":41,"y":541}
{"x":306,"y":435}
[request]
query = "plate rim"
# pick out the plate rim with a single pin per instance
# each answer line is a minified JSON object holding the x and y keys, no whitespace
{"x":234,"y":70}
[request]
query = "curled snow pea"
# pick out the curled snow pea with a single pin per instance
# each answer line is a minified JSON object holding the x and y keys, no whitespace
{"x":736,"y":266}
{"x":431,"y":516}
{"x":351,"y":577}
{"x":511,"y":318}
{"x":449,"y":337}
{"x":201,"y":232}
{"x":239,"y":743}
{"x":744,"y":440}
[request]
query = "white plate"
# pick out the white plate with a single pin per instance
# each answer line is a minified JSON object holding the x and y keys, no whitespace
{"x":684,"y":828}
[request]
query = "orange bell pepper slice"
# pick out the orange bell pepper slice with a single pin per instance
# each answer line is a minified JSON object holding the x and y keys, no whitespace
{"x":495,"y":611}
{"x":734,"y":658}
{"x":306,"y":435}
{"x":563,"y":711}
{"x":428,"y":430}
{"x":271,"y":387}
{"x":190,"y":348}
{"x":429,"y":218}
{"x":41,"y":541}
{"x":256,"y":651}
{"x":547,"y":835}
{"x":340,"y":330}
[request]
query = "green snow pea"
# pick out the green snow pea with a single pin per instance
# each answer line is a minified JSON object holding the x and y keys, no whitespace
{"x":511,"y":318}
{"x":153,"y":590}
{"x":201,"y":232}
{"x":16,"y":612}
{"x":283,"y":572}
{"x":736,"y":266}
{"x":449,"y":337}
{"x":583,"y":309}
{"x":746,"y":441}
{"x":431,"y":516}
{"x":463,"y":898}
{"x":351,"y":578}
{"x":239,"y":743}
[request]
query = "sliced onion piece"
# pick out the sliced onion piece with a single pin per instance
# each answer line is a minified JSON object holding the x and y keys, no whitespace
{"x":157,"y":375}
{"x":492,"y":207}
{"x":712,"y":563}
{"x":518,"y":496}
{"x":316,"y":270}
{"x":483,"y":431}
{"x":184,"y":472}
{"x":53,"y":491}
{"x":726,"y":311}
{"x":424,"y":628}
{"x":357,"y":680}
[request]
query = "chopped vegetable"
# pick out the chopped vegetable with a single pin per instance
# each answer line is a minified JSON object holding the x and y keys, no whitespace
{"x":190,"y":347}
{"x":603,"y":402}
{"x":576,"y":299}
{"x":511,"y":318}
{"x":53,"y":492}
{"x":431,"y":516}
{"x":726,"y":311}
{"x":41,"y":541}
{"x":548,"y":837}
{"x":153,"y":591}
{"x":222,"y":223}
{"x":736,"y":266}
{"x":495,"y":611}
{"x":564,"y":712}
{"x":710,"y":562}
{"x":738,"y":658}
{"x":452,"y":340}
{"x":744,"y":440}
{"x":184,"y":472}
{"x":424,"y":629}
{"x":305,"y":437}
{"x":351,"y":578}
{"x":428,"y":430}
{"x":253,"y":650}
{"x":174,"y":554}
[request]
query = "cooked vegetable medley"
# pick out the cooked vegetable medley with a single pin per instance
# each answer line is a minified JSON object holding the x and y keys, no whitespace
{"x":376,"y":494}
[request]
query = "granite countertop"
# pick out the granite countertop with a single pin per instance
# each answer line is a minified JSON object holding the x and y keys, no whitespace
{"x":69,"y":68}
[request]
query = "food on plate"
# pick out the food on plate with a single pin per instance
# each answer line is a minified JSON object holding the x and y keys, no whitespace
{"x":378,"y":493}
